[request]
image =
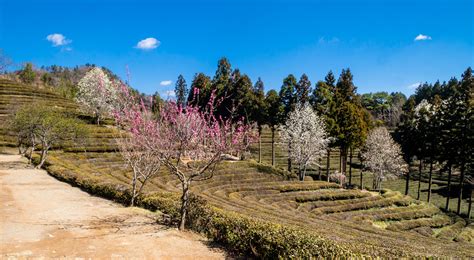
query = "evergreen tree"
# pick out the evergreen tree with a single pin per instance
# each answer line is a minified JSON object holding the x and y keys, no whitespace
{"x":288,"y":94}
{"x":27,"y":75}
{"x":303,"y":89}
{"x":461,"y":118}
{"x":345,"y":89}
{"x":222,"y":84}
{"x":323,"y":101}
{"x":200,"y":90}
{"x":258,"y":111}
{"x":350,"y":118}
{"x":274,"y":115}
{"x":181,"y":90}
{"x":156,"y":104}
{"x":288,"y":99}
{"x":330,"y":80}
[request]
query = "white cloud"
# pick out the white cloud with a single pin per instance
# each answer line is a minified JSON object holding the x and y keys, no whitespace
{"x":170,"y":93}
{"x":148,"y":44}
{"x":414,"y":85}
{"x":58,"y":39}
{"x":422,"y":37}
{"x":324,"y":40}
{"x":165,"y":83}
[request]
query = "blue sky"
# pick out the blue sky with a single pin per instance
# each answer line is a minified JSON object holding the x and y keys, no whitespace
{"x":267,"y":39}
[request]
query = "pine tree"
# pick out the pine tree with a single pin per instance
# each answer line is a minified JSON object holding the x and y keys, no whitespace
{"x":303,"y":89}
{"x":258,"y":111}
{"x":222,"y":85}
{"x":181,"y":90}
{"x":274,"y":115}
{"x":27,"y":75}
{"x":288,"y":99}
{"x":351,"y":121}
{"x":200,"y":90}
{"x":323,"y":101}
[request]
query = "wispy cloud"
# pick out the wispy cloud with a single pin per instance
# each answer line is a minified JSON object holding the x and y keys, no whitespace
{"x":414,"y":85}
{"x":165,"y":83}
{"x":324,"y":40}
{"x":170,"y":93}
{"x":148,"y":44}
{"x":422,"y":37}
{"x":58,"y":39}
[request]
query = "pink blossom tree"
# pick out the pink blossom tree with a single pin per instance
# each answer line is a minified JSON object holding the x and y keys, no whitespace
{"x":138,"y":133}
{"x":188,"y":141}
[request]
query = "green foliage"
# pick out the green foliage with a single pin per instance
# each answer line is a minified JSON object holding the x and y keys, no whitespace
{"x":436,"y":221}
{"x":181,"y":90}
{"x":274,"y":108}
{"x":303,"y":89}
{"x":38,"y":124}
{"x":27,"y":75}
{"x":200,"y":90}
{"x":288,"y":94}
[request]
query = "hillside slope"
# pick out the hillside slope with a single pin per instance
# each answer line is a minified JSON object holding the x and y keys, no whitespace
{"x":387,"y":224}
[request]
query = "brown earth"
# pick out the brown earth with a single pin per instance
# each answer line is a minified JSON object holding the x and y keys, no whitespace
{"x":41,"y":217}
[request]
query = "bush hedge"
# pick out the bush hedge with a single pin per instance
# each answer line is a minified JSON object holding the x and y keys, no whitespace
{"x":240,"y":233}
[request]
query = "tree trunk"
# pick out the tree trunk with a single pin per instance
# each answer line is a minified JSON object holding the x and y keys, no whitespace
{"x":340,"y":160}
{"x":374,"y":183}
{"x":319,"y":168}
{"x":361,"y":181}
{"x":327,"y":164}
{"x":273,"y":146}
{"x":419,"y":180}
{"x":344,"y":161}
{"x":350,"y":167}
{"x":134,"y":190}
{"x":302,"y":172}
{"x":461,"y":182}
{"x":184,"y":205}
{"x":449,"y":187}
{"x":289,"y":158}
{"x":44,"y":153}
{"x":407,"y":184}
{"x":31,"y":154}
{"x":260,"y":145}
{"x":430,"y":180}
{"x":470,"y":203}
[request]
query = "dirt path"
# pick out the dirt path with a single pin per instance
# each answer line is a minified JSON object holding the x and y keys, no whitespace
{"x":45,"y":218}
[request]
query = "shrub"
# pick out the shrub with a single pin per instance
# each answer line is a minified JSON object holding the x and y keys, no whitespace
{"x":436,"y":221}
{"x":451,"y":232}
{"x":245,"y":235}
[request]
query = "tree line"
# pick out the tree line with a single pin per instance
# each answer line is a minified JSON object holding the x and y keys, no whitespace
{"x":336,"y":101}
{"x":437,"y":129}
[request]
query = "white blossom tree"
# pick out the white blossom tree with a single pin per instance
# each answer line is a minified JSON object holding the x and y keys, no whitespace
{"x":97,"y":93}
{"x":306,"y":135}
{"x":383,"y":157}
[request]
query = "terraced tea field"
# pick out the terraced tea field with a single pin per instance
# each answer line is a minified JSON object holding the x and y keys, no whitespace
{"x":368,"y":223}
{"x":438,"y":196}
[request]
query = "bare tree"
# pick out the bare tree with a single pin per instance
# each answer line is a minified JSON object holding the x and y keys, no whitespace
{"x":145,"y":163}
{"x":383,"y":157}
{"x":305,"y":132}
